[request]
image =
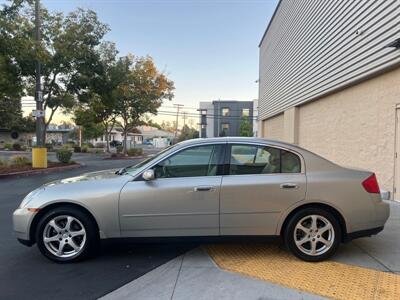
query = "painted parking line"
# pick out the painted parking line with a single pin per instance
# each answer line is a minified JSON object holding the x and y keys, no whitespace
{"x":330,"y":279}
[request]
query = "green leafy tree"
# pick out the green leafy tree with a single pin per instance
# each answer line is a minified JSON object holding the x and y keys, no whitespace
{"x":11,"y":80}
{"x":167,"y":126}
{"x":245,"y":127}
{"x":67,"y":52}
{"x":142,"y":92}
{"x":98,"y":103}
{"x":188,"y":133}
{"x":86,"y":118}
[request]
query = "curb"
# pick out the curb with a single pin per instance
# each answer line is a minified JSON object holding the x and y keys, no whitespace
{"x":40,"y":171}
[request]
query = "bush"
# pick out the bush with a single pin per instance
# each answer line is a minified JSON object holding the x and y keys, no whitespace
{"x":16,"y":147}
{"x":2,"y":162}
{"x":23,"y":148}
{"x":119,"y":148}
{"x":20,"y":160}
{"x":7,"y":147}
{"x":88,"y":145}
{"x":49,"y":146}
{"x":64,"y":155}
{"x":135,"y":152}
{"x":100,"y":145}
{"x":77,"y":149}
{"x":84,"y":149}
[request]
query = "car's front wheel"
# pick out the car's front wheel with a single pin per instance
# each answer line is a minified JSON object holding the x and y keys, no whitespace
{"x":312,"y":234}
{"x":66,"y":234}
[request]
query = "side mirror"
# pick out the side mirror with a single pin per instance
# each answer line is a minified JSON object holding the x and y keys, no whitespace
{"x":148,"y":175}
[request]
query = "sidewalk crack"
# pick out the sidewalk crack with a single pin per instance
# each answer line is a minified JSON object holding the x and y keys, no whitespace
{"x":374,"y":258}
{"x":177,"y":277}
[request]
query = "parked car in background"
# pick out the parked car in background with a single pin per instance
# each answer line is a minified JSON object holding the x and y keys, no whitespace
{"x":219,"y":187}
{"x":115,"y":143}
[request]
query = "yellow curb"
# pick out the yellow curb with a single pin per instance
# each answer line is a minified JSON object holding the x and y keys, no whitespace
{"x":328,"y":278}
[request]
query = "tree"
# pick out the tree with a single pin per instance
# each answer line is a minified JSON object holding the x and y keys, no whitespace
{"x":91,"y":129}
{"x":245,"y":127}
{"x":167,"y":126}
{"x":11,"y":87}
{"x":98,"y":102}
{"x":67,"y":51}
{"x":142,"y":92}
{"x":188,"y":133}
{"x":149,"y":122}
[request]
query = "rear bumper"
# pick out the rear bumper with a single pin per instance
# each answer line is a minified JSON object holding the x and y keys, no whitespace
{"x":363,"y":233}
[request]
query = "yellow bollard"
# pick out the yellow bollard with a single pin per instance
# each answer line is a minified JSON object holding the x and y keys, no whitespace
{"x":39,"y":158}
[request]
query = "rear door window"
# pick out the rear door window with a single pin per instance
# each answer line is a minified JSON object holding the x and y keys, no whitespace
{"x":258,"y":159}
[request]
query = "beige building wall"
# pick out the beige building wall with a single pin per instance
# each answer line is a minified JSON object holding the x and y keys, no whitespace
{"x":272,"y":128}
{"x":352,"y":127}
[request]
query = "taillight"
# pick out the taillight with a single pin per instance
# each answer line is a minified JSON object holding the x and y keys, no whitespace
{"x":371,"y":185}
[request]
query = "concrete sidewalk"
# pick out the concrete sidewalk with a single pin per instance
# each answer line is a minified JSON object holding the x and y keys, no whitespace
{"x":196,"y":276}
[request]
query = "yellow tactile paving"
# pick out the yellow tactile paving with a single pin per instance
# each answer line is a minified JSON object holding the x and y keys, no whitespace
{"x":329,"y":279}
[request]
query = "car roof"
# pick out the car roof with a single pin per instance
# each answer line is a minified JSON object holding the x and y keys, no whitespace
{"x":238,"y":140}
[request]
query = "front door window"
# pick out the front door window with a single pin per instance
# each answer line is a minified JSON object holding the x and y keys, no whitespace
{"x":192,"y":162}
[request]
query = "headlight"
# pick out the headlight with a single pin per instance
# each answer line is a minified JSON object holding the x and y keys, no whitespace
{"x":30,"y":196}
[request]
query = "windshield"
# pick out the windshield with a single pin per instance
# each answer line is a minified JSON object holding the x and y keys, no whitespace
{"x":143,"y":162}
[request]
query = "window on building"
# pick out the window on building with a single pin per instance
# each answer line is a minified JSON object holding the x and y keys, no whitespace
{"x":249,"y":159}
{"x":224,"y":129}
{"x":225,"y":111}
{"x":195,"y":161}
{"x":245,"y":112}
{"x":203,"y":112}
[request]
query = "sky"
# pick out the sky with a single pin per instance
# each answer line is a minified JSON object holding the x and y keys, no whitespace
{"x":209,"y":48}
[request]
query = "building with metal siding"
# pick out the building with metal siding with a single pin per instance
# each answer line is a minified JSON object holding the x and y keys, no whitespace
{"x":329,"y":81}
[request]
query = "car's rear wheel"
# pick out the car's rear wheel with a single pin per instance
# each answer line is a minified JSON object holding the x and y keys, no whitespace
{"x":66,"y":234}
{"x":313,"y":234}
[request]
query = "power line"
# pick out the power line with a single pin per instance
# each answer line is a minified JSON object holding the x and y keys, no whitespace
{"x":199,"y":108}
{"x":207,"y":115}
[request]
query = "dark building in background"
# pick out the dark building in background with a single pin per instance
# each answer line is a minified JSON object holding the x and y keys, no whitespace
{"x":223,"y":117}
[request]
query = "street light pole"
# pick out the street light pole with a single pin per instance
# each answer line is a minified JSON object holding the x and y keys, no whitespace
{"x":40,"y":136}
{"x":39,"y":154}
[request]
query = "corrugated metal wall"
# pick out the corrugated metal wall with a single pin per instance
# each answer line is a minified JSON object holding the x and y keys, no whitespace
{"x":315,"y":46}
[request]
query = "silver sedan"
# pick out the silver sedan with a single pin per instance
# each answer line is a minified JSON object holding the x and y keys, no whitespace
{"x":222,"y":187}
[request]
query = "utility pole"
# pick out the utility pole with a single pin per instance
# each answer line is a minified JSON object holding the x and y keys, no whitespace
{"x":184,"y":118}
{"x":178,"y":106}
{"x":39,"y":154}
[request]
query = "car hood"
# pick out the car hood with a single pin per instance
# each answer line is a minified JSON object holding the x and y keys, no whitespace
{"x":98,"y":175}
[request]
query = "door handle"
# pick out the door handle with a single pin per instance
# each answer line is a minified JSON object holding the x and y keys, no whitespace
{"x":204,"y":188}
{"x":289,"y":186}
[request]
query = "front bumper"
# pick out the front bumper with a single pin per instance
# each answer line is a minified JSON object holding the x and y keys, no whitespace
{"x":22,"y":219}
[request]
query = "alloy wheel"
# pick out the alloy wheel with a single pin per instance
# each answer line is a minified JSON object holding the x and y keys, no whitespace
{"x":64,"y":236}
{"x":314,"y":235}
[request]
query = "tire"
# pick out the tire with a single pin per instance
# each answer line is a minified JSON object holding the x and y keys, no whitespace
{"x":309,"y":242}
{"x":69,"y":228}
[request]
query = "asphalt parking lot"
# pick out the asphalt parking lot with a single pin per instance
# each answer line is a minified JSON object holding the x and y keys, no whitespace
{"x":26,"y":274}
